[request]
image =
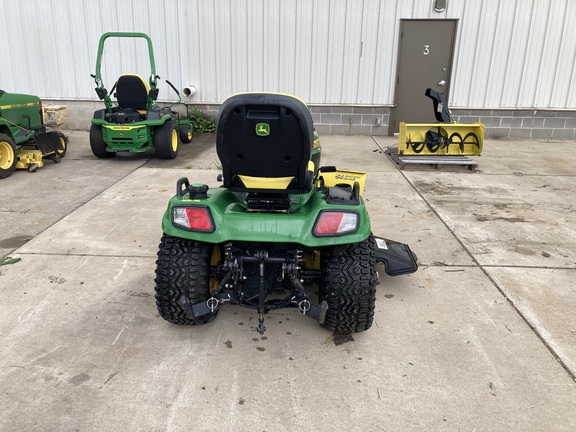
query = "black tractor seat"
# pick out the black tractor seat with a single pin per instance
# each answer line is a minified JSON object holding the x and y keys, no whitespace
{"x":132,"y":92}
{"x":264,"y":142}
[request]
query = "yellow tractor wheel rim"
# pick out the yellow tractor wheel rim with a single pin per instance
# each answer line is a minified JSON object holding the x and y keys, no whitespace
{"x":174,"y":140}
{"x":189,"y":134}
{"x":63,"y":144}
{"x":6,"y":155}
{"x":214,"y":260}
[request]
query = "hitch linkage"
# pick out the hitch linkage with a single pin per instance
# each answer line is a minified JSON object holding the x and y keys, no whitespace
{"x":299,"y":296}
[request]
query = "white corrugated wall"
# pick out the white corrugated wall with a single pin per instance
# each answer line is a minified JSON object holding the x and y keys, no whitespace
{"x":514,"y":54}
{"x":509,"y":53}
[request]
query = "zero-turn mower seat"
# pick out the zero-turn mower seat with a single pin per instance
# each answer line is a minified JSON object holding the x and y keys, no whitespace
{"x":132,"y":92}
{"x":264,"y":142}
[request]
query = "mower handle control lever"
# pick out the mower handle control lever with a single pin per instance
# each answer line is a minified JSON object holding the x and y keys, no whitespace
{"x":173,"y":88}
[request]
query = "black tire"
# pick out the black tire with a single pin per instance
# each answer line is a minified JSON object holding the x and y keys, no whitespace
{"x":186,"y":133}
{"x":64,"y":143}
{"x":8,"y":158}
{"x":182,"y":279}
{"x":97,"y":143}
{"x":349,"y":286}
{"x":166,"y":140}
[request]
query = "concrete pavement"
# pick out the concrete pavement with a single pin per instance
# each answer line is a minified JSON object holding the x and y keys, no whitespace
{"x":481,"y":338}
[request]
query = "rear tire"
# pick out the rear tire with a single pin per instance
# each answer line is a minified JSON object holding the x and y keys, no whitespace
{"x":182,"y":279}
{"x":349,"y":286}
{"x":8,"y":157}
{"x":97,"y":143}
{"x":166,"y":140}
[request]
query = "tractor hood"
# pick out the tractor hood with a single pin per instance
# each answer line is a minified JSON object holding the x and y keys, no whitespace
{"x":7,"y":100}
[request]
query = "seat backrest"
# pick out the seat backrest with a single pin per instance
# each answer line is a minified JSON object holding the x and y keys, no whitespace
{"x":264,"y":142}
{"x":132,"y":92}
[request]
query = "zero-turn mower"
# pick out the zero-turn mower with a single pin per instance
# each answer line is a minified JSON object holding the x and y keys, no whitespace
{"x":275,"y":231}
{"x":134,"y":122}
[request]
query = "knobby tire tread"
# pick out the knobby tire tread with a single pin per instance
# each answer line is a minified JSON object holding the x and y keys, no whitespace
{"x":182,"y":269}
{"x":349,"y":286}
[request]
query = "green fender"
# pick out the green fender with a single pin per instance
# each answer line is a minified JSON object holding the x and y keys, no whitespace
{"x":233,"y":223}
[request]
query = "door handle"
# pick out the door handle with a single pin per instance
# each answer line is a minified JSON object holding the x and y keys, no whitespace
{"x":442,"y":83}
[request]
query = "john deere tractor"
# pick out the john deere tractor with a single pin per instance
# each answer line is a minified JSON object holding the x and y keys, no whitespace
{"x":278,"y":230}
{"x":134,"y":122}
{"x":24,"y":140}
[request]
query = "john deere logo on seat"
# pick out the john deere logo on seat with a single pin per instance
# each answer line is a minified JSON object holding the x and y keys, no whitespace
{"x":262,"y":129}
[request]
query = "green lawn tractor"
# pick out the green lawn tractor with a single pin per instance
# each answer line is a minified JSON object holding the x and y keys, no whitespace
{"x":134,"y":122}
{"x":24,"y":140}
{"x":278,"y":232}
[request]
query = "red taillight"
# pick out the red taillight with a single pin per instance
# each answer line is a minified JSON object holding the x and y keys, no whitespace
{"x":199,"y":219}
{"x":336,"y":223}
{"x":329,"y":223}
{"x":193,"y":218}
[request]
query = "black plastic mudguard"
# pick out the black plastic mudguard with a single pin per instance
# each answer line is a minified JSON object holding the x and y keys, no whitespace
{"x":48,"y":142}
{"x":398,"y":258}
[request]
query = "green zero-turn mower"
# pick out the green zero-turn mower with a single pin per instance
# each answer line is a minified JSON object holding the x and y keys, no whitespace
{"x":134,"y":122}
{"x":275,"y":230}
{"x":24,"y":140}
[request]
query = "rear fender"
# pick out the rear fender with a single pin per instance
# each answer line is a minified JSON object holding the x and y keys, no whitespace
{"x":233,"y":223}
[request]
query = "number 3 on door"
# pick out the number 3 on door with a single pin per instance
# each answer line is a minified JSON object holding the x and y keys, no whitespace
{"x":426,"y":50}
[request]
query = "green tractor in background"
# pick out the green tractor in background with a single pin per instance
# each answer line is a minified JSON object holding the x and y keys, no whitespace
{"x":134,"y":122}
{"x":24,"y":140}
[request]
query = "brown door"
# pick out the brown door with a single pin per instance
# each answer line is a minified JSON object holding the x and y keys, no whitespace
{"x":424,"y":61}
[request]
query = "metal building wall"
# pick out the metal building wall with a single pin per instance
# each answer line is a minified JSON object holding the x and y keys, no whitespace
{"x":49,"y":47}
{"x":509,"y":53}
{"x":514,"y":54}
